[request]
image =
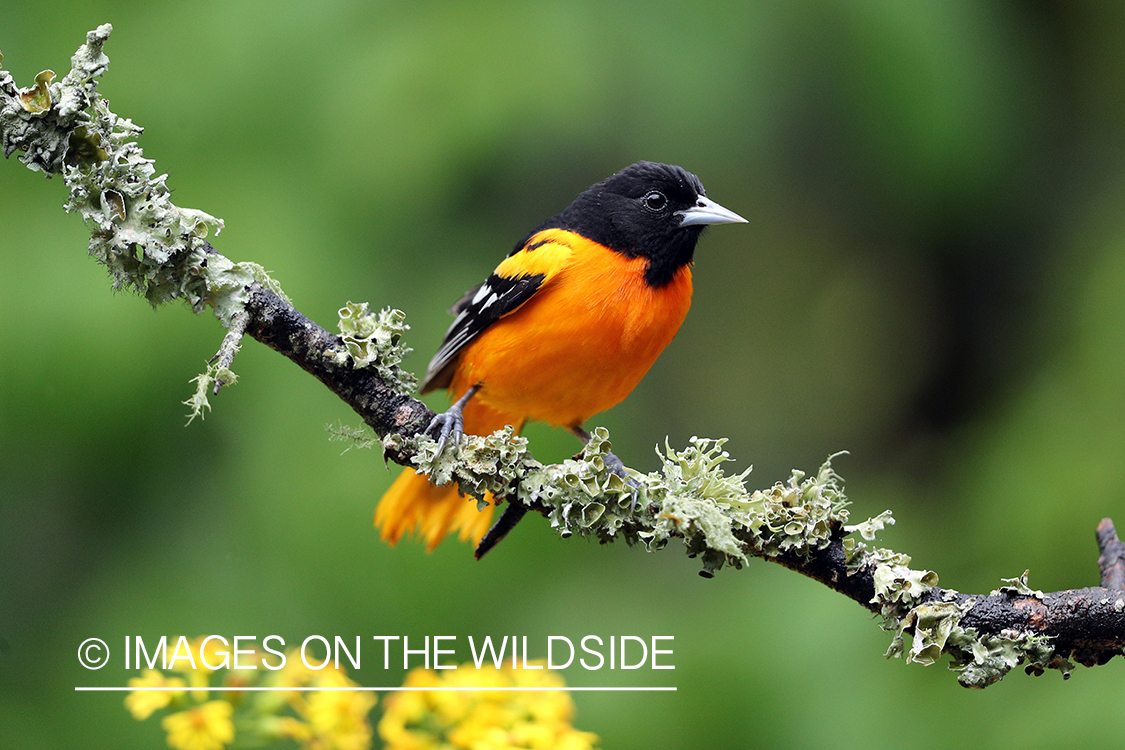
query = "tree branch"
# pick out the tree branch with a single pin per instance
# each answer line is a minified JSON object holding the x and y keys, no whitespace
{"x":1111,"y":562}
{"x":160,"y":250}
{"x":273,"y":321}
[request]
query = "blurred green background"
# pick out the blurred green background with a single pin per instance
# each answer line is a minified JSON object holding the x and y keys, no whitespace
{"x":931,"y":279}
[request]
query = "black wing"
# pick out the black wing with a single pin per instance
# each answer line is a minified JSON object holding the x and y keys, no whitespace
{"x":478,"y":309}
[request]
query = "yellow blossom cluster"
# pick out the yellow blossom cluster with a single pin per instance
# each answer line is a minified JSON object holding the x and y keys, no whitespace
{"x":329,"y":716}
{"x":497,"y":718}
{"x":321,"y":709}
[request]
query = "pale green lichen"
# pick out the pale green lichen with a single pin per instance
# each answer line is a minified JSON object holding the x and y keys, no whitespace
{"x":870,"y":528}
{"x":718,"y":520}
{"x":149,"y":244}
{"x":37,"y":99}
{"x":49,"y":122}
{"x":1018,"y":587}
{"x":583,"y":495}
{"x":375,"y":341}
{"x":796,"y":517}
{"x":691,"y":498}
{"x":479,"y":464}
{"x":934,"y":629}
{"x":488,"y":464}
{"x":930,"y":626}
{"x":979,"y":660}
{"x":356,"y":437}
{"x":198,"y":405}
{"x":227,"y":283}
{"x":897,"y":585}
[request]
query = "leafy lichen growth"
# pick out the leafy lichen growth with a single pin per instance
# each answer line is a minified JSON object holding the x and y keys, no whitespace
{"x":691,"y":497}
{"x":869,"y":529}
{"x":375,"y":341}
{"x":897,"y":586}
{"x":49,"y":122}
{"x":1018,"y":587}
{"x":37,"y":99}
{"x":198,"y":405}
{"x":979,"y":660}
{"x":719,"y":520}
{"x":983,"y":660}
{"x":798,"y":516}
{"x":582,"y":494}
{"x":486,"y":464}
{"x":480,"y":464}
{"x":227,"y":283}
{"x":930,"y":625}
{"x":150,"y":245}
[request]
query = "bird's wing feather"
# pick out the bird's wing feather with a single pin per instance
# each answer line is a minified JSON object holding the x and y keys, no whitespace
{"x":511,"y":285}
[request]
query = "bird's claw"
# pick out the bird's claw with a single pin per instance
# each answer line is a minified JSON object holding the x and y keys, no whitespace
{"x":446,"y":427}
{"x":450,"y":423}
{"x":617,"y":466}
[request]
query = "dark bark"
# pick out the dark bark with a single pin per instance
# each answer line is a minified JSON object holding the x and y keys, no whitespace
{"x":1111,"y":562}
{"x":277,"y":324}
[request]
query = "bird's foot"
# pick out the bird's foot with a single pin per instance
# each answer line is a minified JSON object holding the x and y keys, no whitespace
{"x":446,"y":428}
{"x":449,"y":426}
{"x":617,"y":466}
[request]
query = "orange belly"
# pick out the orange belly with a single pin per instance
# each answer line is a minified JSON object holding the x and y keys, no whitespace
{"x":578,"y":347}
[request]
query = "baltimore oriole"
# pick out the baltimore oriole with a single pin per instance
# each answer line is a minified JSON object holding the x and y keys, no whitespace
{"x":564,"y":328}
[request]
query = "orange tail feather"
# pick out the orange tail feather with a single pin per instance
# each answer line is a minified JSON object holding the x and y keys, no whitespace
{"x":413,"y":504}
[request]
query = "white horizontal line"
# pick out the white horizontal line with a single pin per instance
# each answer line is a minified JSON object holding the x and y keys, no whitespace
{"x":398,"y":689}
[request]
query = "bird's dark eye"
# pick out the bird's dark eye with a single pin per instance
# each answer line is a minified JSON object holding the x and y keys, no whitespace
{"x":654,"y":201}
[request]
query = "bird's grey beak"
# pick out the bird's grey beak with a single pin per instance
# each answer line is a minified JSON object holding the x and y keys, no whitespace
{"x":706,"y":211}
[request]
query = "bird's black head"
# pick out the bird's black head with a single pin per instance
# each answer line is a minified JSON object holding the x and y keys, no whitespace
{"x":653,"y":210}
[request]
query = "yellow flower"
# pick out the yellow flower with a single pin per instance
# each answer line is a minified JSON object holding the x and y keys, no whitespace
{"x":212,"y":651}
{"x":483,"y":720}
{"x":328,"y":719}
{"x":295,"y":673}
{"x":340,"y":717}
{"x":142,"y":703}
{"x":192,"y":662}
{"x":205,"y":727}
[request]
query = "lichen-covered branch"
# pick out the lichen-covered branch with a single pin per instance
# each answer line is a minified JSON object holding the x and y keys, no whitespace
{"x":375,"y":390}
{"x":161,"y":251}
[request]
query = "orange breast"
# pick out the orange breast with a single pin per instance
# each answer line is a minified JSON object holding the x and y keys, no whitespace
{"x":579,"y":345}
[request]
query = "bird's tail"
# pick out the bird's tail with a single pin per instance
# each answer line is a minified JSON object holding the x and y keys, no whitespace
{"x":413,"y":504}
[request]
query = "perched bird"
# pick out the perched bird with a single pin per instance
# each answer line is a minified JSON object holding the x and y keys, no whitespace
{"x":564,"y":328}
